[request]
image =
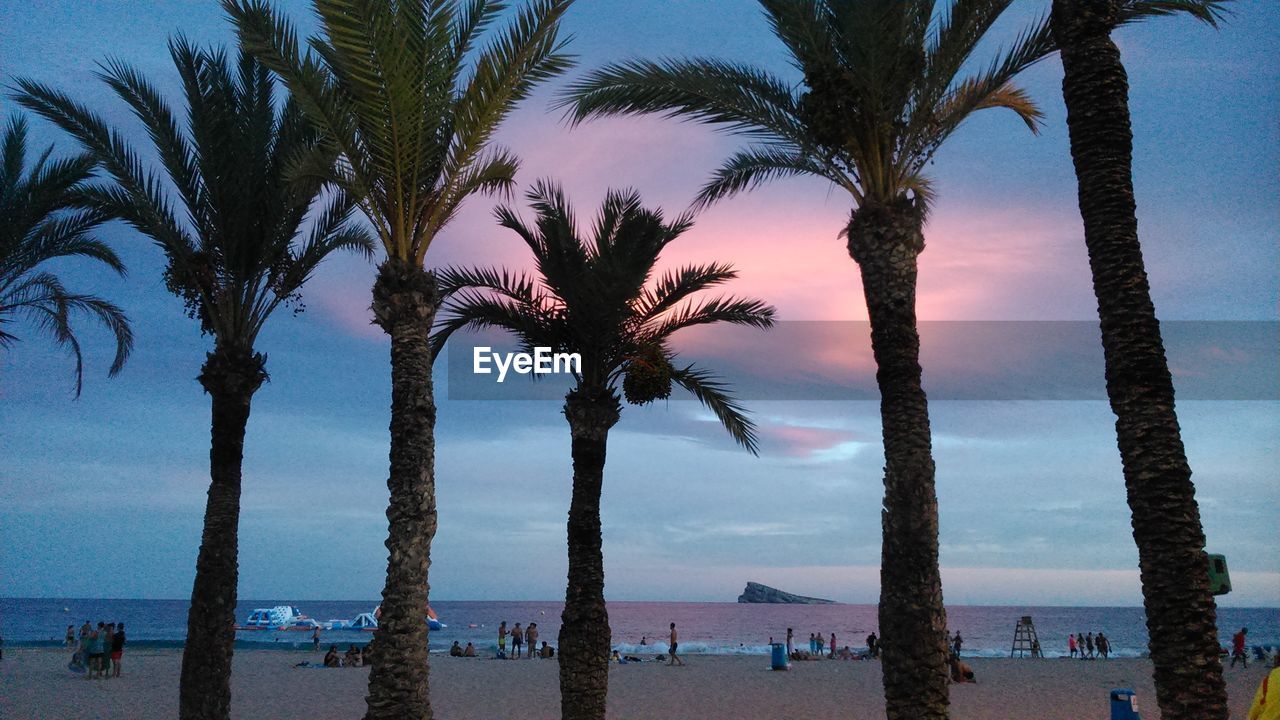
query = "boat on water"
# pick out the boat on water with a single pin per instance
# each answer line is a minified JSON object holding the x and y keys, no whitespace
{"x":286,"y":618}
{"x":433,"y":621}
{"x":364,"y":621}
{"x":280,"y":617}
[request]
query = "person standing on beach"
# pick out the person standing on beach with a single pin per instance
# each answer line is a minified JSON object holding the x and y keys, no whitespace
{"x":821,"y":644}
{"x":674,"y":645}
{"x":86,"y":630}
{"x":315,"y":638}
{"x":833,"y":645}
{"x":107,"y":640}
{"x":1238,"y":651}
{"x":71,"y":635}
{"x":95,"y":651}
{"x":956,"y":644}
{"x":117,"y":649}
{"x":873,"y":646}
{"x":531,"y":638}
{"x":1071,"y":644}
{"x":502,"y":639}
{"x":517,"y":638}
{"x":790,"y":649}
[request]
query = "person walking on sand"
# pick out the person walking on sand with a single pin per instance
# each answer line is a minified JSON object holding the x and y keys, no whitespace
{"x":517,"y":639}
{"x":674,"y":645}
{"x":117,"y":649}
{"x":315,"y":638}
{"x":1238,"y":651}
{"x":502,"y":639}
{"x":531,"y":638}
{"x":1071,"y":644}
{"x":1101,"y":643}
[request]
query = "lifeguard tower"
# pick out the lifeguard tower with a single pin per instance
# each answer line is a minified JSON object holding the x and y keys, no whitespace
{"x":1024,"y":638}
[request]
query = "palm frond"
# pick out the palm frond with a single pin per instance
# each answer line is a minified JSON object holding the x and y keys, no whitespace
{"x":677,"y":285}
{"x":714,"y":395}
{"x":139,"y":198}
{"x":1210,"y":12}
{"x":528,"y":52}
{"x":517,"y":287}
{"x":735,"y":311}
{"x":468,"y":309}
{"x":743,"y":99}
{"x":748,"y":169}
{"x":47,"y":303}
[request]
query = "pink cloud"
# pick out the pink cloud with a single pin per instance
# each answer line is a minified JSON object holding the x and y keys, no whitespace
{"x":801,"y":441}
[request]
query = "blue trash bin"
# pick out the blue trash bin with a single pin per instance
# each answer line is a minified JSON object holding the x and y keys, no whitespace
{"x":780,"y":659}
{"x":1124,"y":704}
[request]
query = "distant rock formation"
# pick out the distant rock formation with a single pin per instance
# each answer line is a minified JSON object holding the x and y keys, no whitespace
{"x":757,"y":593}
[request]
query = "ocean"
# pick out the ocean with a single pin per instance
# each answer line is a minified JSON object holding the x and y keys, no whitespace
{"x":638,"y":627}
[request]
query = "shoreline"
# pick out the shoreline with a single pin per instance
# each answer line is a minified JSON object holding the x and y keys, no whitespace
{"x":34,"y":682}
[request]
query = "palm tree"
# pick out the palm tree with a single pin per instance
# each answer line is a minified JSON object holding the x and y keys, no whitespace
{"x":412,"y":116}
{"x":884,"y":86}
{"x":236,"y":251}
{"x":1181,"y":620}
{"x":593,"y":297}
{"x":42,"y":219}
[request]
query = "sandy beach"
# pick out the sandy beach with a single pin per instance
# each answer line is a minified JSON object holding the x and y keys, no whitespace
{"x":34,"y":683}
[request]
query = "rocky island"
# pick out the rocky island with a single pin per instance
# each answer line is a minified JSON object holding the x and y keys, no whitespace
{"x":757,"y":593}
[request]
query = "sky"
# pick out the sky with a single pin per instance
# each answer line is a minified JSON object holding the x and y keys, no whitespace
{"x":103,"y":496}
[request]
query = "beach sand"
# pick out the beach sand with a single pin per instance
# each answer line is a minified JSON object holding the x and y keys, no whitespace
{"x":35,"y":684}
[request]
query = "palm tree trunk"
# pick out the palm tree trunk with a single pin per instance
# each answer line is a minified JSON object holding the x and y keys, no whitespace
{"x":885,"y":240}
{"x":584,"y":625}
{"x":405,"y":300}
{"x":1181,"y":615}
{"x":231,"y":376}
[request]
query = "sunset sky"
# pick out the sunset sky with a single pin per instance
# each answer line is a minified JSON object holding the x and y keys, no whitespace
{"x":111,"y":486}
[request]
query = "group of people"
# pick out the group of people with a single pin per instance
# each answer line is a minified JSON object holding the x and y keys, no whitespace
{"x":1089,"y":647}
{"x":519,"y":640}
{"x":353,"y":658}
{"x":821,"y":647}
{"x":459,"y":651}
{"x":98,"y":651}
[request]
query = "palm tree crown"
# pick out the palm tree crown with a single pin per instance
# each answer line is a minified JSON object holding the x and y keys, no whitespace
{"x":593,"y":297}
{"x":233,"y":254}
{"x":393,"y":87}
{"x":885,"y":84}
{"x":43,"y":217}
